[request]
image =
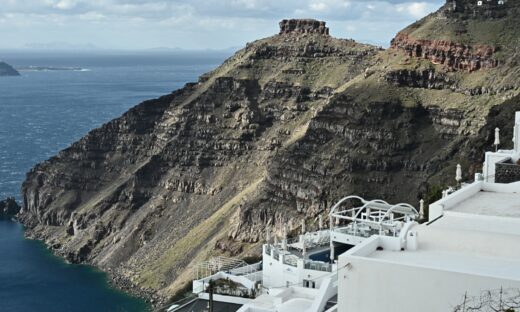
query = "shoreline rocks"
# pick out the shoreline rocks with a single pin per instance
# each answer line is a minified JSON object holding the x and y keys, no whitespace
{"x":9,"y":208}
{"x":7,"y":70}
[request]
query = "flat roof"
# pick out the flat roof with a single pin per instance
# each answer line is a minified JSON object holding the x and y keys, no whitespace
{"x":292,"y":299}
{"x":454,"y":262}
{"x":201,"y":305}
{"x":491,"y":204}
{"x":465,"y":243}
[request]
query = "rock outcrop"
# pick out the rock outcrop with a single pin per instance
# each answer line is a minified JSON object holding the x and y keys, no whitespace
{"x":427,"y":78}
{"x":9,"y":208}
{"x":453,"y":55}
{"x":303,"y":26}
{"x":7,"y":70}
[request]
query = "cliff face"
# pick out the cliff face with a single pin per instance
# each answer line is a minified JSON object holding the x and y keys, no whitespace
{"x":7,"y":70}
{"x":463,"y":35}
{"x":453,"y":55}
{"x":275,"y":135}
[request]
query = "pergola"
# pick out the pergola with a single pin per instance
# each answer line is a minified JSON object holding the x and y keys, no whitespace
{"x":368,"y":217}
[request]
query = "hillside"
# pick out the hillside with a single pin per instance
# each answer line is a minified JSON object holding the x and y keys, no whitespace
{"x":274,"y":135}
{"x":7,"y":70}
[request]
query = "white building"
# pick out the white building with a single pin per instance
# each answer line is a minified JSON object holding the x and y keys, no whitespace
{"x":466,"y":255}
{"x":470,"y":246}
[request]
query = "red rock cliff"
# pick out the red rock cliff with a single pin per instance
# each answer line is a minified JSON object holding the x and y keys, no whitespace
{"x":455,"y":56}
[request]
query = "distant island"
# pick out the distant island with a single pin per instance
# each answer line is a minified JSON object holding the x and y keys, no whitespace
{"x":51,"y":68}
{"x":7,"y":70}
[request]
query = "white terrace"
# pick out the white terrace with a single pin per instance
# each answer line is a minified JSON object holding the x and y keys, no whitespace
{"x":369,"y":217}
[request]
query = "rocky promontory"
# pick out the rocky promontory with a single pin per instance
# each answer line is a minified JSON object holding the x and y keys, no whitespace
{"x":303,"y":26}
{"x":9,"y":208}
{"x":7,"y":70}
{"x":272,"y":137}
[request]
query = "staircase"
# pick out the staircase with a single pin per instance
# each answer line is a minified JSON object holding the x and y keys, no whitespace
{"x":332,"y":302}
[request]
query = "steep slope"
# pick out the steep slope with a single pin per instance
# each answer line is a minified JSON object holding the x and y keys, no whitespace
{"x":7,"y":70}
{"x":397,"y":132}
{"x":153,"y":192}
{"x":275,"y":135}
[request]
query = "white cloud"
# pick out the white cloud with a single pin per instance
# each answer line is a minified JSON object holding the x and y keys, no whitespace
{"x":319,"y":6}
{"x":92,"y":16}
{"x":65,"y":4}
{"x":416,"y":9}
{"x":209,"y":23}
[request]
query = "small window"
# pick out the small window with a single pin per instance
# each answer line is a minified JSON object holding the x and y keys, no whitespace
{"x":309,"y":284}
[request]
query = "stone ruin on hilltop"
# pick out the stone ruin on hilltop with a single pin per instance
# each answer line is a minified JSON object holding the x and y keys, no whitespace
{"x":303,"y":26}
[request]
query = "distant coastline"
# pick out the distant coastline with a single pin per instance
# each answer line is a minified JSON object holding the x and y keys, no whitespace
{"x":50,"y":68}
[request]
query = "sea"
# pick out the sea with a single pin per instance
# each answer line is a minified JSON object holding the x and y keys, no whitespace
{"x":60,"y":97}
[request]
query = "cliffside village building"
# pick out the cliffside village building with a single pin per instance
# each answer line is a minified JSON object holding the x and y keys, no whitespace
{"x":377,"y":256}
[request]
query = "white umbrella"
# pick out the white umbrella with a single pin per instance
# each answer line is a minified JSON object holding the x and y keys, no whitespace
{"x":421,"y":209}
{"x":458,"y":175}
{"x":497,"y":138}
{"x":284,"y":241}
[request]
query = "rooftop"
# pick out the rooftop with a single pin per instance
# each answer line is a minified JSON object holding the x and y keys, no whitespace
{"x":478,"y":235}
{"x":491,"y":204}
{"x":201,"y":305}
{"x":293,"y":299}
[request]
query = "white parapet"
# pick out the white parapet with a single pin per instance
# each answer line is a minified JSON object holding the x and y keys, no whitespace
{"x":516,"y":136}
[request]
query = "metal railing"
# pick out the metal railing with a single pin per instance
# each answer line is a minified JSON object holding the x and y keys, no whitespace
{"x":222,"y":264}
{"x":318,"y":266}
{"x":290,"y":260}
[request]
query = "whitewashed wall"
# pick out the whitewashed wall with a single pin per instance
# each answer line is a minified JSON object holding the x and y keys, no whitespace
{"x":370,"y":285}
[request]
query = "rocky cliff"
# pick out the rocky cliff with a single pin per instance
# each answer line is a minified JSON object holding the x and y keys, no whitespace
{"x":8,"y":208}
{"x":463,"y":35}
{"x":7,"y":70}
{"x":274,"y":135}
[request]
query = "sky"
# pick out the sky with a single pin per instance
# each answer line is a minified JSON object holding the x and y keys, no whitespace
{"x":192,"y":24}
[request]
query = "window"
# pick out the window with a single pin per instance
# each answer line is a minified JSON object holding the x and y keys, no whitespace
{"x":309,"y":284}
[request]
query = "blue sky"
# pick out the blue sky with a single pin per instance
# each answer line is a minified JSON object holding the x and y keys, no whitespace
{"x":195,"y":24}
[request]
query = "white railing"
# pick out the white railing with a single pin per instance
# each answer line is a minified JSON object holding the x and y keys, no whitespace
{"x":369,"y":216}
{"x":226,"y":265}
{"x":318,"y":266}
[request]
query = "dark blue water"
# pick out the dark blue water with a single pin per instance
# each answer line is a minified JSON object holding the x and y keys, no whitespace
{"x":32,"y":279}
{"x":43,"y":112}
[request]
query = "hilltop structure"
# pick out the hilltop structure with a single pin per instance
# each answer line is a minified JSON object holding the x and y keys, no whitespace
{"x":303,"y":26}
{"x":480,"y":8}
